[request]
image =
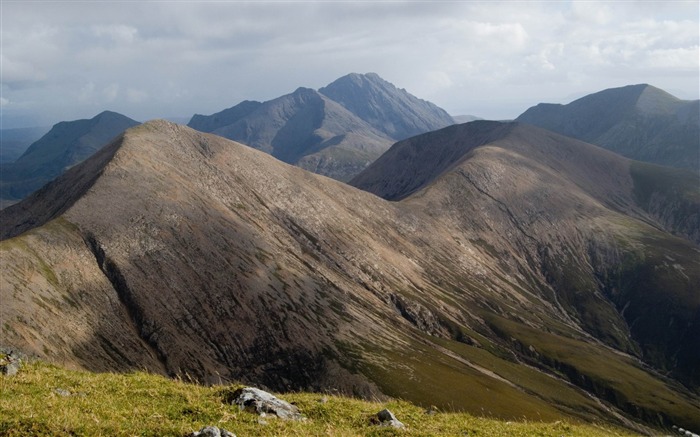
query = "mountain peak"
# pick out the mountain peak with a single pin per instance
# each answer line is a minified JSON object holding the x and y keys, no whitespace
{"x":388,"y":109}
{"x":639,"y":121}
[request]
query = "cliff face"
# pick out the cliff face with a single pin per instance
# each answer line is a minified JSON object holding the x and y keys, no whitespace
{"x":508,"y":269}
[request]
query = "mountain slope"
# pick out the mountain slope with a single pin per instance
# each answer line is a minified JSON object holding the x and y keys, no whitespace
{"x":469,"y":294}
{"x":637,"y":121}
{"x":388,"y":109}
{"x":547,"y":193}
{"x":66,"y":144}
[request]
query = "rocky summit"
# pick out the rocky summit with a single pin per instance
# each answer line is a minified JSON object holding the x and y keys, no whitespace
{"x":514,"y":273}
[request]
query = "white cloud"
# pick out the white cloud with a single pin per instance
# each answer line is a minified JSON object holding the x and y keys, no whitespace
{"x":4,"y":101}
{"x":118,"y":33}
{"x":110,"y":92}
{"x":136,"y":96}
{"x":178,"y":58}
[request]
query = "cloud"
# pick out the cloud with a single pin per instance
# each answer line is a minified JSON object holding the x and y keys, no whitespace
{"x":177,"y":58}
{"x":4,"y":101}
{"x":116,"y":33}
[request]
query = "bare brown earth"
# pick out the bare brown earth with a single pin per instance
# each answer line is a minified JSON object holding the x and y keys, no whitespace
{"x":500,"y":285}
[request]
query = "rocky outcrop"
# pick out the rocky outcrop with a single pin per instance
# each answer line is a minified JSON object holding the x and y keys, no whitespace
{"x":9,"y":364}
{"x":387,"y":418}
{"x":256,"y":401}
{"x":212,"y":431}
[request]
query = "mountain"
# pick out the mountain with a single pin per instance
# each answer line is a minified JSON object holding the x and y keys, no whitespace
{"x":303,"y":128}
{"x":465,"y":118}
{"x":526,"y":276}
{"x":386,"y":108}
{"x":14,"y":142}
{"x":637,"y":121}
{"x":66,"y":144}
{"x":336,"y":131}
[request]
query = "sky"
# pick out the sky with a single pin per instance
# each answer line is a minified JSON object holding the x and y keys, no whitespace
{"x":67,"y":60}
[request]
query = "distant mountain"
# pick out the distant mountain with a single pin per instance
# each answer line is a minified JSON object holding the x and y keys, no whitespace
{"x":465,"y":118}
{"x":336,"y":131}
{"x":303,"y":128}
{"x":637,"y":121}
{"x":523,"y":274}
{"x":14,"y":142}
{"x":210,"y":123}
{"x":388,"y":109}
{"x":66,"y":144}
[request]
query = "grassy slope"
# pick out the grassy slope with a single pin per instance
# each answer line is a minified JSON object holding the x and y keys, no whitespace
{"x":148,"y":405}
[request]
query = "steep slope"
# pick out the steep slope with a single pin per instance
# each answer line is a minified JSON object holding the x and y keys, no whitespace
{"x":637,"y":121}
{"x":470,"y":294}
{"x":66,"y":144}
{"x":388,"y":109}
{"x":303,"y":128}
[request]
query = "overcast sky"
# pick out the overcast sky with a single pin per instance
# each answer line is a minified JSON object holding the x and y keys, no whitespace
{"x":65,"y":60}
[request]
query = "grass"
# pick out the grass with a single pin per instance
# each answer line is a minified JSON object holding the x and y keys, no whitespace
{"x":35,"y":402}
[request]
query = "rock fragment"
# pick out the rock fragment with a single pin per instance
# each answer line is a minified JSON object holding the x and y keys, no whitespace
{"x":261,"y":402}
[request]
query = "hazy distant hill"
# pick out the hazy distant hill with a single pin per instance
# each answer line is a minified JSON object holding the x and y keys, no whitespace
{"x":465,"y":118}
{"x":637,"y":121}
{"x":66,"y":144}
{"x":14,"y":142}
{"x":524,"y":275}
{"x":336,"y":131}
{"x":388,"y":109}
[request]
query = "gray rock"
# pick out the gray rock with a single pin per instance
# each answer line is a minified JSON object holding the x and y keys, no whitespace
{"x":212,"y":431}
{"x":62,"y":392}
{"x":387,"y":418}
{"x":9,"y":365}
{"x":261,"y":402}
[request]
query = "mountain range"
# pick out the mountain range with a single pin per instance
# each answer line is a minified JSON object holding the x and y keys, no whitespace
{"x":637,"y":121}
{"x":336,"y":131}
{"x":497,"y":268}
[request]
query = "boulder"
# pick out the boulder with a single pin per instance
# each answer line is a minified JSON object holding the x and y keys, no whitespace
{"x":387,"y":418}
{"x":212,"y":431}
{"x":261,"y":402}
{"x":10,"y":364}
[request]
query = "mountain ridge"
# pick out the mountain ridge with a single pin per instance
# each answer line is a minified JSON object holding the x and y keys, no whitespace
{"x":637,"y":121}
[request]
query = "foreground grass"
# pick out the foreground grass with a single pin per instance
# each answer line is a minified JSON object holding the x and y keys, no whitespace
{"x":47,"y":400}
